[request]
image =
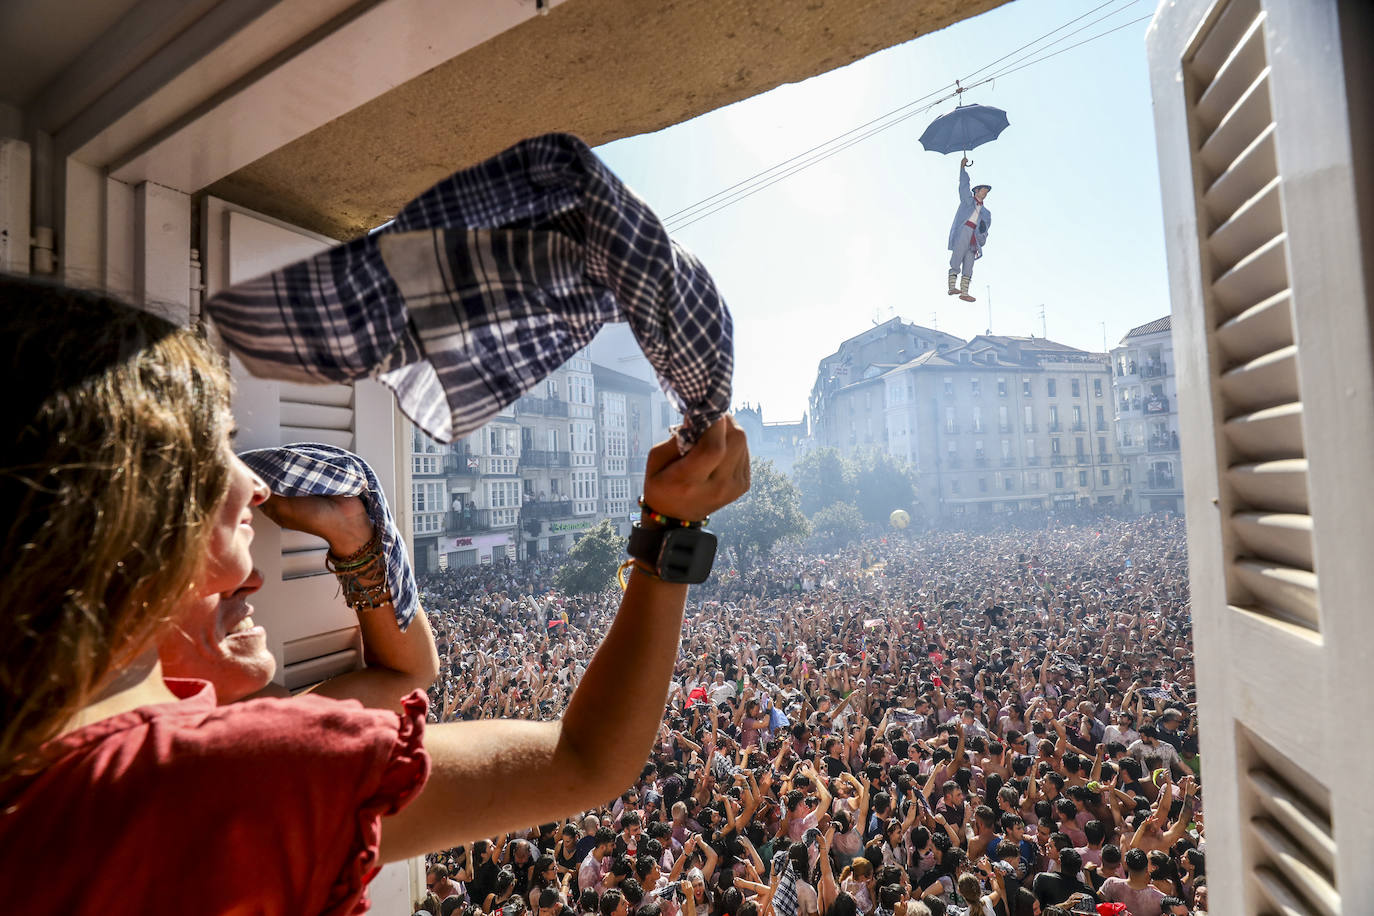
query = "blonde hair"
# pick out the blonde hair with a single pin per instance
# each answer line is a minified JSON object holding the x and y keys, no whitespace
{"x":120,"y":460}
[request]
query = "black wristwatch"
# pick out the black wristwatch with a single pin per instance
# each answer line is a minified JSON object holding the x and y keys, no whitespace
{"x":680,"y":555}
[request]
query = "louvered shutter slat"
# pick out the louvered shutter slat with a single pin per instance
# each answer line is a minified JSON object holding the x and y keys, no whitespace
{"x":1240,"y":126}
{"x":1237,"y":72}
{"x":1275,"y":432}
{"x":1309,"y":828}
{"x":1280,"y":484}
{"x":1283,"y":537}
{"x":1254,"y":278}
{"x":1243,"y":178}
{"x":1291,"y":866}
{"x":1258,"y":220}
{"x":1265,"y":381}
{"x":1262,"y":328}
{"x":1281,"y":592}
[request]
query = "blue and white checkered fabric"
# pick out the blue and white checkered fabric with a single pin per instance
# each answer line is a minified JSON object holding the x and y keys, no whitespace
{"x":484,"y":285}
{"x":315,"y":469}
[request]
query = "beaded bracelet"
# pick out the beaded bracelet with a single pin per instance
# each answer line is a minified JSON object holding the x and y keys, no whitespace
{"x":667,"y":521}
{"x":367,"y":562}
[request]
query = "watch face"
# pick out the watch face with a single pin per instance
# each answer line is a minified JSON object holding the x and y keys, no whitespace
{"x":686,"y":555}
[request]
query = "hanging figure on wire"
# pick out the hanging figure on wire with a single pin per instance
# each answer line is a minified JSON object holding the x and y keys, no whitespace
{"x":969,"y":234}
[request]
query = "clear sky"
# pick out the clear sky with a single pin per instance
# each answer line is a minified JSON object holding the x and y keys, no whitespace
{"x":817,"y":257}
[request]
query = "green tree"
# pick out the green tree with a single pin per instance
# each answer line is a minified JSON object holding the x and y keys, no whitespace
{"x":824,"y":479}
{"x":881,"y":484}
{"x":770,"y":512}
{"x":592,"y":562}
{"x":838,"y":523}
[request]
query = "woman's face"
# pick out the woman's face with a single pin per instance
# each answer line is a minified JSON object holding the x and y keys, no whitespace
{"x":215,"y":638}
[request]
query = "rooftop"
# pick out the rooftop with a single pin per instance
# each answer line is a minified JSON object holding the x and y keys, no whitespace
{"x":1153,"y":327}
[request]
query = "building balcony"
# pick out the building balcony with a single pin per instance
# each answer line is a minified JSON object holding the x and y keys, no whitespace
{"x":1059,"y":460}
{"x":1008,"y":462}
{"x":1030,"y":428}
{"x":1033,"y":461}
{"x":1130,"y":447}
{"x":1056,"y":428}
{"x":547,"y":508}
{"x":461,"y":463}
{"x":1163,"y":444}
{"x":1004,"y":427}
{"x":1156,"y":481}
{"x":980,"y":461}
{"x":1129,"y":407}
{"x":541,"y":407}
{"x":952,"y":429}
{"x":543,"y":458}
{"x":1156,"y":370}
{"x":1082,"y":458}
{"x":976,"y":428}
{"x":467,"y":521}
{"x":1100,"y":426}
{"x":1080,"y":427}
{"x":1157,"y":403}
{"x":953,"y":461}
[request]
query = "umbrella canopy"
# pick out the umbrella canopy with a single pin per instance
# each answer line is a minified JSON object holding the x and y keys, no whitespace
{"x":964,"y":128}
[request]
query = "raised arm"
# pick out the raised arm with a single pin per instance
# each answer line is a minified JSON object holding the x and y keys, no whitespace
{"x":496,"y":775}
{"x":965,"y":189}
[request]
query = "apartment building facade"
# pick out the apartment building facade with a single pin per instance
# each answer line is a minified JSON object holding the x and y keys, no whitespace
{"x":995,"y":424}
{"x":1145,"y":398}
{"x":547,"y":468}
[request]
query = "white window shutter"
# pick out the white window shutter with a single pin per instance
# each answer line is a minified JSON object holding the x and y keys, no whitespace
{"x":1258,"y":119}
{"x":311,"y":632}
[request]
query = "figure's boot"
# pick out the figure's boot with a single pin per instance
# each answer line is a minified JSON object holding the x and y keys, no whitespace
{"x":963,"y":289}
{"x":953,"y":277}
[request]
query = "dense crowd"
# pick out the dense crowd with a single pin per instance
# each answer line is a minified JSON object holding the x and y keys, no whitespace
{"x":994,"y":719}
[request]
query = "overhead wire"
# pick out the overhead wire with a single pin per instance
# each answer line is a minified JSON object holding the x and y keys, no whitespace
{"x":760,"y":181}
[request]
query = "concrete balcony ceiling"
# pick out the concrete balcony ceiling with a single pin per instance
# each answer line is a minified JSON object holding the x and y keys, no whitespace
{"x":601,"y":69}
{"x":358,"y":107}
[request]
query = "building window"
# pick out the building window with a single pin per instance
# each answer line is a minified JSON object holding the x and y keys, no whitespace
{"x":580,"y":389}
{"x":1030,"y":418}
{"x":1006,"y":449}
{"x":1054,"y":416}
{"x":1059,"y":480}
{"x":618,"y":488}
{"x":1125,"y":475}
{"x":978,"y":448}
{"x":428,"y":523}
{"x":1077,"y":416}
{"x":1054,"y":445}
{"x":1001,"y":387}
{"x":954,"y":487}
{"x":1004,"y":418}
{"x":1035,"y":480}
{"x":1007,"y":483}
{"x":951,"y":426}
{"x":1082,"y":478}
{"x":982,"y":484}
{"x":503,"y":494}
{"x":553,"y":440}
{"x":1097,"y":387}
{"x":977,"y":419}
{"x":428,"y":496}
{"x":1050,"y":387}
{"x":551,"y":388}
{"x":1030,"y":448}
{"x":976,"y":387}
{"x":1106,"y":478}
{"x":1102,"y":445}
{"x":1073,"y":386}
{"x":949,"y":385}
{"x":1078,"y":446}
{"x":1025,"y":387}
{"x":582,"y":437}
{"x":424,"y":464}
{"x":1101,"y":417}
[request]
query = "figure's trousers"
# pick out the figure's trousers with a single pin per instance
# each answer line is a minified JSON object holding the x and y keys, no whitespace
{"x":961,"y":259}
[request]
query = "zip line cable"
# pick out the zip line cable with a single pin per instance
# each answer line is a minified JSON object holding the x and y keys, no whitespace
{"x":800,"y":155}
{"x":747,"y":187}
{"x":1040,"y":50}
{"x":1038,"y":40}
